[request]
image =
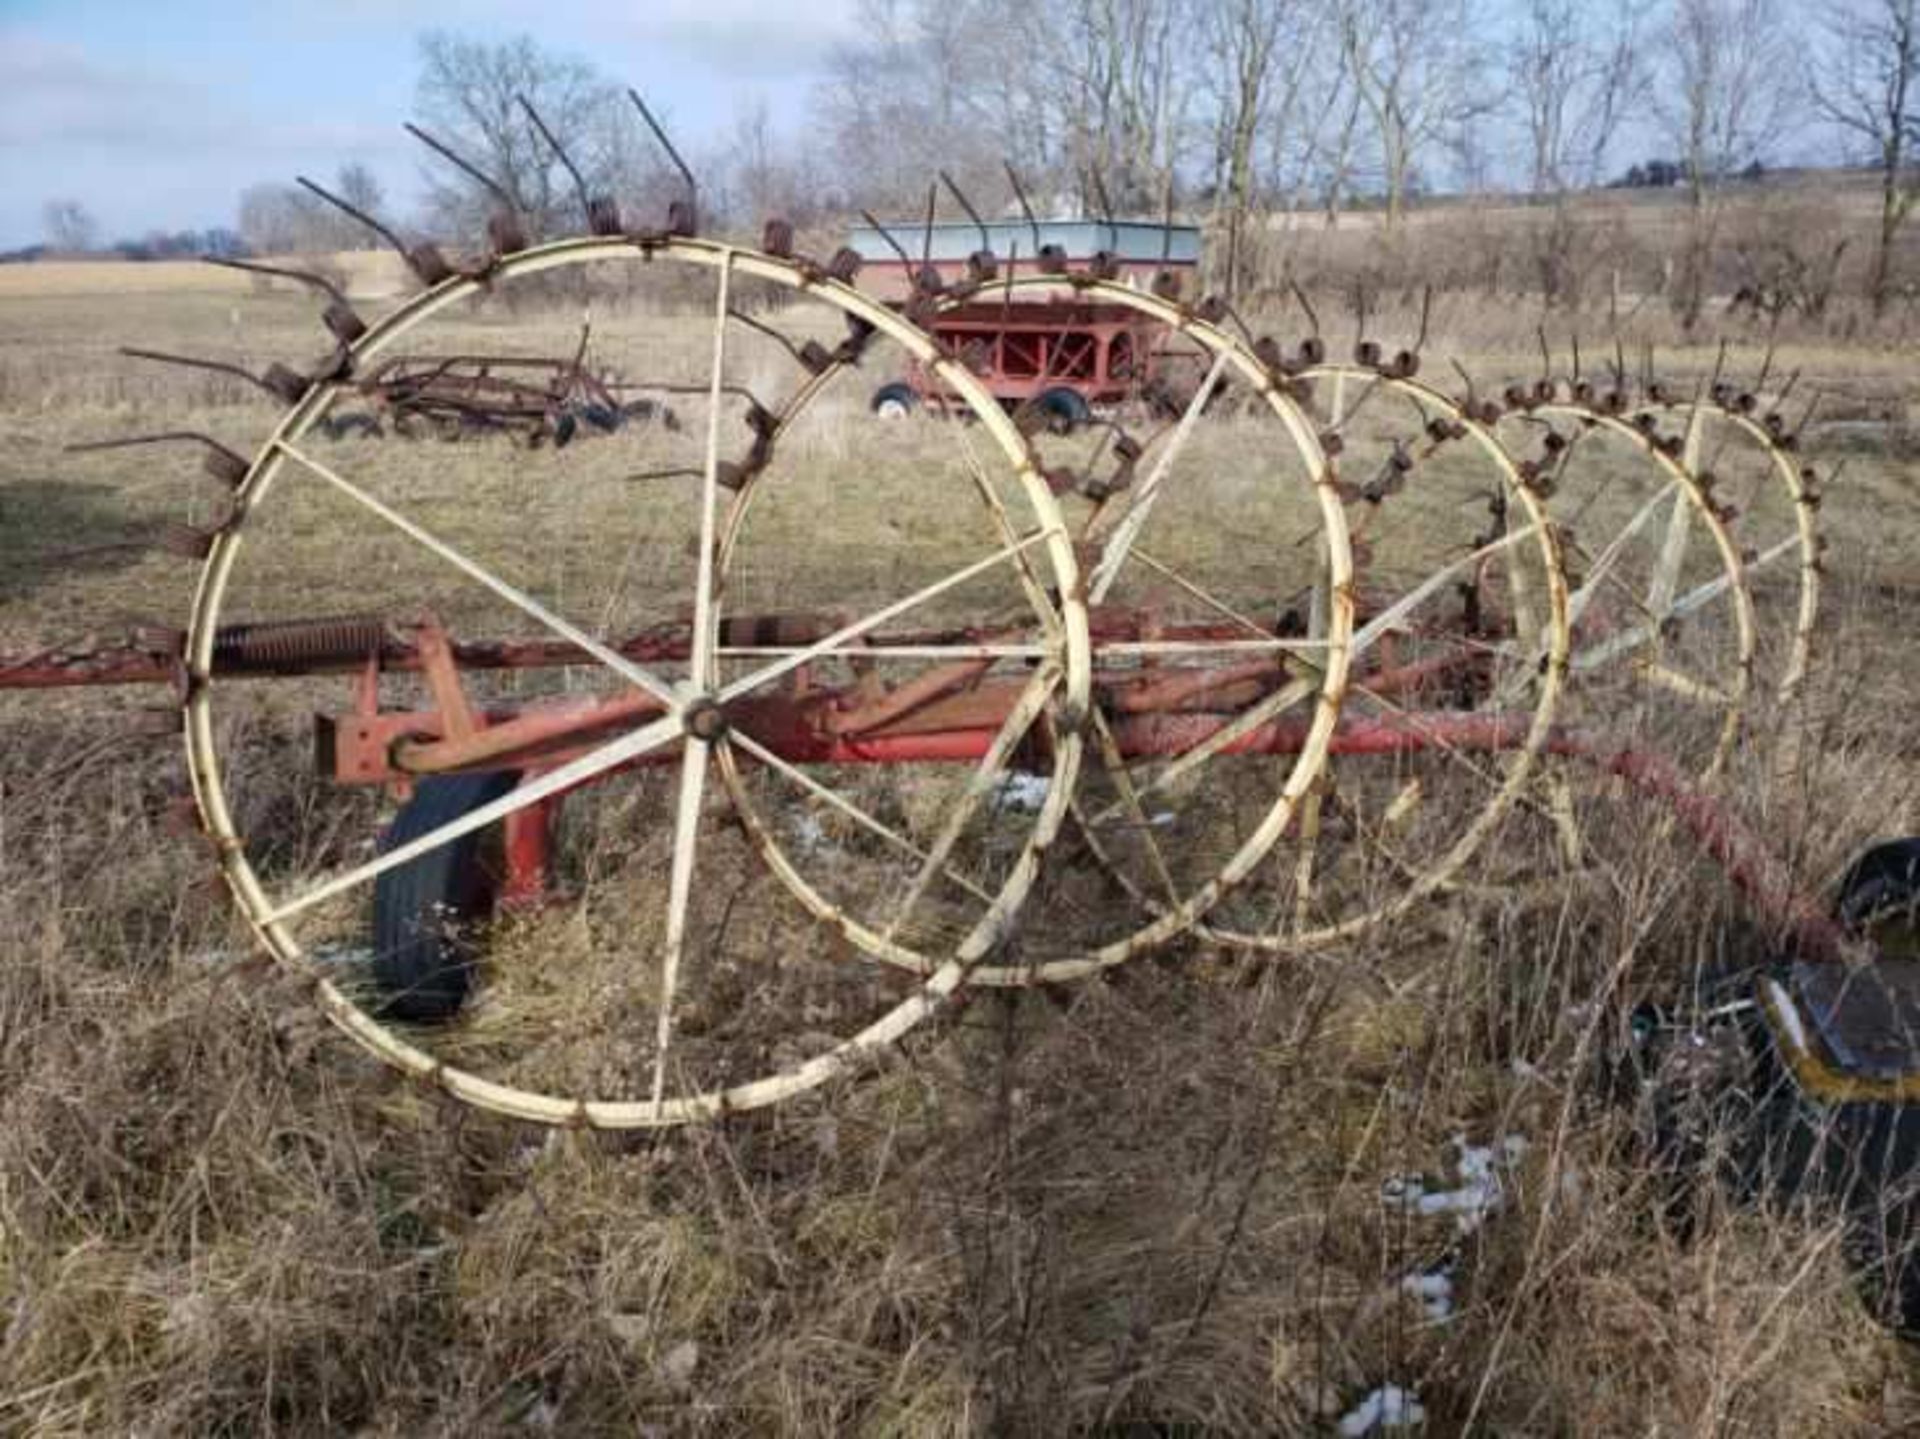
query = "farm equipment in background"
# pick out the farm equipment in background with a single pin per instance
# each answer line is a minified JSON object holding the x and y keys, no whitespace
{"x":535,"y":400}
{"x":1039,"y":346}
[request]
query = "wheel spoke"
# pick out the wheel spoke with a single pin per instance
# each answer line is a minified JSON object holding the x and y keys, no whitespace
{"x":686,"y":841}
{"x":1673,"y":555}
{"x":702,"y":665}
{"x":1114,"y":553}
{"x":839,"y":639}
{"x":644,"y":679}
{"x":1114,"y":763}
{"x":992,"y":764}
{"x":835,"y":800}
{"x":1268,"y":709}
{"x":1370,"y":634}
{"x":615,"y":752}
{"x":1036,"y":592}
{"x":1610,"y":556}
{"x":1682,"y":684}
{"x":1207,"y":598}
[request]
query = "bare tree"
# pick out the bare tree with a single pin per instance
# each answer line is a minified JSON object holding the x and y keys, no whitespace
{"x":1416,"y":68}
{"x":469,"y":96}
{"x":1866,"y":80}
{"x":69,"y":226}
{"x":1261,"y":57}
{"x":279,"y":219}
{"x":1725,"y":94}
{"x":359,"y":187}
{"x":1574,"y":71}
{"x":1126,"y":93}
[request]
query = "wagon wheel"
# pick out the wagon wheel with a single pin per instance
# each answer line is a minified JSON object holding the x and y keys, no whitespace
{"x":1458,"y":666}
{"x":1740,"y":446}
{"x":645,"y":1002}
{"x":1664,"y":634}
{"x":1213,"y":709}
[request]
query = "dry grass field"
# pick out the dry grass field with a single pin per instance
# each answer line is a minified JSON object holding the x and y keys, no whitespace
{"x":1171,"y":1200}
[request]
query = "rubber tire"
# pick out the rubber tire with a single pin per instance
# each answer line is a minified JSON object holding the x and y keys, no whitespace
{"x":895,"y":401}
{"x":424,"y":954}
{"x":1886,"y":877}
{"x":1065,"y":410}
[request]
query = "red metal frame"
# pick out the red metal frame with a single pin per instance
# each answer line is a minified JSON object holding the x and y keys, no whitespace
{"x":1106,"y":354}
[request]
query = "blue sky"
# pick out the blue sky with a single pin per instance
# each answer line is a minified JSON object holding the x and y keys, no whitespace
{"x":157,"y":113}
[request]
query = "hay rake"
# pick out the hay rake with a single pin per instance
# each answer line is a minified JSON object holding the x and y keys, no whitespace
{"x":1266,"y":667}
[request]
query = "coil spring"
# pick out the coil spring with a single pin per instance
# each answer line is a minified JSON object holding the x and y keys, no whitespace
{"x":291,"y":646}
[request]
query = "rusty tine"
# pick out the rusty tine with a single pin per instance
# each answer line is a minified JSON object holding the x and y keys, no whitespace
{"x":187,"y":541}
{"x":278,"y":380}
{"x":926,"y":233}
{"x":222,"y":463}
{"x":603,"y":216}
{"x":424,"y":260}
{"x":682,"y":221}
{"x":467,"y":167}
{"x":339,"y":316}
{"x":986,"y":240}
{"x":1366,"y":351}
{"x":1020,"y":194}
{"x":887,"y":235}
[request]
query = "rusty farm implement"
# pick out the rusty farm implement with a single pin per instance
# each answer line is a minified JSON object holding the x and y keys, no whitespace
{"x":677,"y":775}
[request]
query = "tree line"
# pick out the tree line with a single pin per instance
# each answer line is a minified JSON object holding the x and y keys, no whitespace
{"x":1253,"y":115}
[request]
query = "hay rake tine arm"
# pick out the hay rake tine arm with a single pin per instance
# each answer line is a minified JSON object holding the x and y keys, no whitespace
{"x":617,"y":752}
{"x":644,"y":679}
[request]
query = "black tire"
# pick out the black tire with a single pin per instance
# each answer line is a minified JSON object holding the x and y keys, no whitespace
{"x":895,"y":401}
{"x":1065,"y":410}
{"x":1883,"y":884}
{"x":425,"y":913}
{"x":604,"y":418}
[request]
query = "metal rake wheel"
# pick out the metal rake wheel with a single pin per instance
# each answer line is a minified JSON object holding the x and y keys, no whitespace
{"x":1459,"y":664}
{"x":1664,"y":631}
{"x":692,"y":706}
{"x":1740,"y":445}
{"x":1213,"y":712}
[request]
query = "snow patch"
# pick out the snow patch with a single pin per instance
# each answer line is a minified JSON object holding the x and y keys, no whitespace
{"x":1388,"y":1407}
{"x":1434,"y":1289}
{"x":1022,"y":791}
{"x":1480,"y":1191}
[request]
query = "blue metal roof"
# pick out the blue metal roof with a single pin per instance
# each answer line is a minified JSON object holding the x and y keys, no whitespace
{"x":1142,"y":242}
